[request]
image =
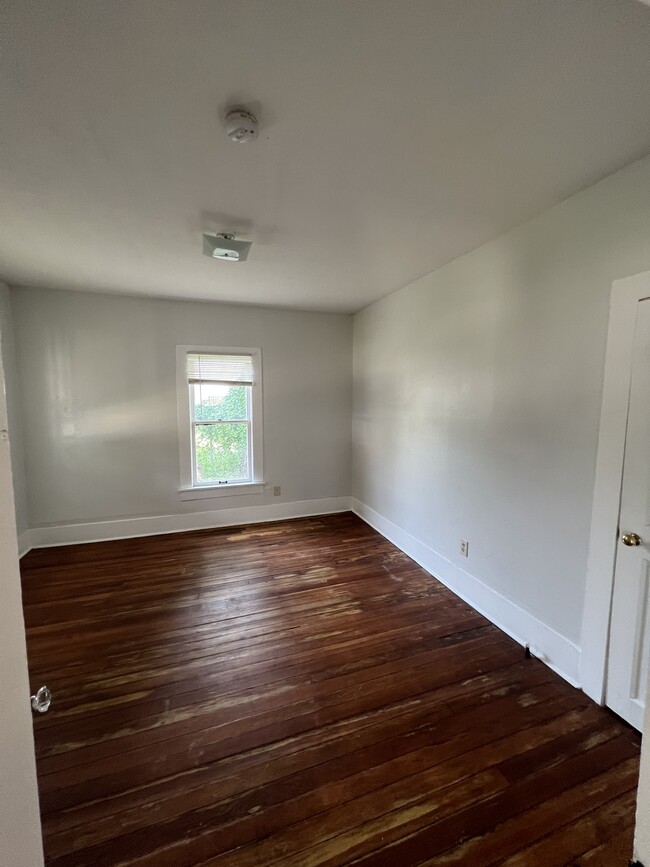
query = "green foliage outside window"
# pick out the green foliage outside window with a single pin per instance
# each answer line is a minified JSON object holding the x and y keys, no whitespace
{"x":222,"y":449}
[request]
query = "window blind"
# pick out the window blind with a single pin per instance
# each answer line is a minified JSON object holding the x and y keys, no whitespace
{"x":223,"y":369}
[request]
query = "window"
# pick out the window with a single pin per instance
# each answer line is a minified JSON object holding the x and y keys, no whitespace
{"x":219,"y":417}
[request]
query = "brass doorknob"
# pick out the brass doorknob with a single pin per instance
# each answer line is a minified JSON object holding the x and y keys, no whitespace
{"x":631,"y":539}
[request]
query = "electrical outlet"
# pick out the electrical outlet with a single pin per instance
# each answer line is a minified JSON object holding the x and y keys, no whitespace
{"x":277,"y":490}
{"x":464,"y":547}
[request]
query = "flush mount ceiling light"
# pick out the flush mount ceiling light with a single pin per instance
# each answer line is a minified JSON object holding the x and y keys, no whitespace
{"x":223,"y":246}
{"x":241,"y":126}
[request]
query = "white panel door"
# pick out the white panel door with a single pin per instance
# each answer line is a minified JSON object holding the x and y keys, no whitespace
{"x":629,"y":647}
{"x":20,"y":824}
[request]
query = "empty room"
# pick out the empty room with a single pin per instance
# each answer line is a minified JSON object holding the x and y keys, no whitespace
{"x":325,"y":433}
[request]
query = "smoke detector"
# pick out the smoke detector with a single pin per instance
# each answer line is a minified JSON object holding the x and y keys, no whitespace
{"x":223,"y":246}
{"x":241,"y":126}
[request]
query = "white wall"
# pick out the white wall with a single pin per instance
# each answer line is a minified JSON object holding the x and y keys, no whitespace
{"x":477,"y":396}
{"x":20,"y":829}
{"x":99,"y":401}
{"x":13,"y":408}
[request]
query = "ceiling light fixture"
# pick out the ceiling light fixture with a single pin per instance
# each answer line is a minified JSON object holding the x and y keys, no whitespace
{"x":241,"y":126}
{"x":223,"y":246}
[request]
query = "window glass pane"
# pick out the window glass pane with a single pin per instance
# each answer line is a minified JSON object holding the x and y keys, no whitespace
{"x":221,"y":452}
{"x":219,"y":402}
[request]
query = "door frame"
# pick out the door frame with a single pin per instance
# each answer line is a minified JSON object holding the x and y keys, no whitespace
{"x":603,"y":541}
{"x":20,"y":822}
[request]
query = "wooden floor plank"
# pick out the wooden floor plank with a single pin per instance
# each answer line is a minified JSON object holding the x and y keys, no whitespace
{"x":614,"y":851}
{"x":301,"y":693}
{"x":241,"y":771}
{"x":578,"y":837}
{"x":304,"y":791}
{"x":511,"y":836}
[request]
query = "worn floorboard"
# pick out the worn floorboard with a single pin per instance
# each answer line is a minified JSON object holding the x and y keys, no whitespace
{"x":301,"y":693}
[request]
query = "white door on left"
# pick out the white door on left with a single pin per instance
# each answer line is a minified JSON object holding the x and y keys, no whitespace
{"x":629,"y":643}
{"x":20,"y":824}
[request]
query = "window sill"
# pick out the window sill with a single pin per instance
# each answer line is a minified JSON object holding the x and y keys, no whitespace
{"x":208,"y":491}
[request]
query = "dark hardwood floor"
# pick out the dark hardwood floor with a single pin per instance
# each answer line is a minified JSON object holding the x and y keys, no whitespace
{"x":301,"y":693}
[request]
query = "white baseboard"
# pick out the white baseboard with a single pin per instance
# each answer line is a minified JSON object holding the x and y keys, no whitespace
{"x":547,"y":645}
{"x":125,"y":528}
{"x":24,"y":542}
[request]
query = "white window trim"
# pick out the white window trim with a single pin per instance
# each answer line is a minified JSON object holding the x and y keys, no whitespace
{"x":187,"y":490}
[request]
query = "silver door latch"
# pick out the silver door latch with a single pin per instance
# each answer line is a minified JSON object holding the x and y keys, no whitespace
{"x":42,"y":700}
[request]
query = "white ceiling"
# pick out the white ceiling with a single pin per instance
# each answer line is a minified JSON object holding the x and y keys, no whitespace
{"x":395,"y":136}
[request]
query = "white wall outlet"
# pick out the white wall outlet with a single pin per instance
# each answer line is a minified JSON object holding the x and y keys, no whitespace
{"x":464,"y":547}
{"x":277,"y":490}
